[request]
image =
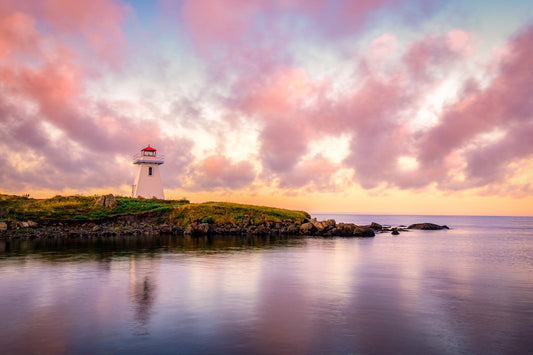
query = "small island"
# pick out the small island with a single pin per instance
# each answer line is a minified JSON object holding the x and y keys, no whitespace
{"x":108,"y":216}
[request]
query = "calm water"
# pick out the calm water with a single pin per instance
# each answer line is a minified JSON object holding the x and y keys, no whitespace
{"x":466,"y":290}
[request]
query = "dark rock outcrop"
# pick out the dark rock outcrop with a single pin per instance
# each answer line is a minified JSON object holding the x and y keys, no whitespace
{"x":165,"y":228}
{"x":376,"y":226}
{"x":360,"y":231}
{"x":107,"y":201}
{"x":197,"y":229}
{"x":308,"y":229}
{"x":427,"y":226}
{"x":152,"y":224}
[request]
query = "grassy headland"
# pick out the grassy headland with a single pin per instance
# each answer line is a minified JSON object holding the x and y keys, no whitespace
{"x":180,"y":212}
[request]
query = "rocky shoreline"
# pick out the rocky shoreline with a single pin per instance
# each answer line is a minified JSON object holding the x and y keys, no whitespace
{"x":136,"y":226}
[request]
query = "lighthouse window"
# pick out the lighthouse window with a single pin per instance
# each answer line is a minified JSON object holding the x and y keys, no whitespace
{"x":150,"y":170}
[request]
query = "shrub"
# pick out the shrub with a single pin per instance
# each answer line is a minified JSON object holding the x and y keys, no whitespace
{"x":208,"y":219}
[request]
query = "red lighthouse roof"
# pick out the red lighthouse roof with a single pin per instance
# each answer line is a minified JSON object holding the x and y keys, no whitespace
{"x":149,"y":148}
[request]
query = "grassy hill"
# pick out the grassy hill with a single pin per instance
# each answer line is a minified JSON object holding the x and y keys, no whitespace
{"x":180,"y":212}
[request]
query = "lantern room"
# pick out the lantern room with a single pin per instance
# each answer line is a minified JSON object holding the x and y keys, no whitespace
{"x":148,"y":152}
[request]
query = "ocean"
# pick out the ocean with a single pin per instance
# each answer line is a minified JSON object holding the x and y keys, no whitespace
{"x":466,"y":290}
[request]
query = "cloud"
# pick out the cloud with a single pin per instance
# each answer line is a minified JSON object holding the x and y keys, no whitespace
{"x":375,"y":113}
{"x":372,"y":116}
{"x":219,"y":21}
{"x":503,"y":104}
{"x":315,"y":173}
{"x":58,"y":135}
{"x":17,"y":34}
{"x":250,"y":38}
{"x":217,"y":171}
{"x":277,"y":101}
{"x":222,"y":22}
{"x":426,"y":58}
{"x":250,"y":77}
{"x":75,"y":21}
{"x":282,"y":144}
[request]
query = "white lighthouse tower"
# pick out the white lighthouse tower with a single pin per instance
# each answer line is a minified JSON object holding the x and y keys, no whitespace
{"x":148,"y":181}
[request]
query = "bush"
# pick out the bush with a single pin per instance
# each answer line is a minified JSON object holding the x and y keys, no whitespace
{"x":208,"y":219}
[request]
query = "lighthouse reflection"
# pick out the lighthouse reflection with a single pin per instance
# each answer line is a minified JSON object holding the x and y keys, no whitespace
{"x":143,"y":288}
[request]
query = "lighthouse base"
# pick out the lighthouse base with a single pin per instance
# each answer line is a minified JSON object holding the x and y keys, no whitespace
{"x":148,"y":182}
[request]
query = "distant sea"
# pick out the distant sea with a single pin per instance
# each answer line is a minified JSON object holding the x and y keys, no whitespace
{"x":467,"y":290}
{"x":463,"y":223}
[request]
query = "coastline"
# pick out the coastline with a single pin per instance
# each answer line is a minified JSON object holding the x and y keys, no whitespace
{"x":138,"y":226}
{"x":107,"y":216}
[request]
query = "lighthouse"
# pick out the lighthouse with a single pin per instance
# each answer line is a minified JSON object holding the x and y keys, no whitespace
{"x":148,"y":181}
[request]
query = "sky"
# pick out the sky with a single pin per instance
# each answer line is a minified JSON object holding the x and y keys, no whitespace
{"x":370,"y":106}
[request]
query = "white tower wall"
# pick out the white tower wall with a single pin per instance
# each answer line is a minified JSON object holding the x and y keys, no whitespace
{"x":146,"y":185}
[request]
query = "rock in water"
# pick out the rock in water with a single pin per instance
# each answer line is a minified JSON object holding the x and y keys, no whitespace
{"x":363,"y":232}
{"x":427,"y":226}
{"x":376,"y":226}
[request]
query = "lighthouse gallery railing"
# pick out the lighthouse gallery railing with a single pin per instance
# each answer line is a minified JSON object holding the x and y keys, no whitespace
{"x":139,"y":158}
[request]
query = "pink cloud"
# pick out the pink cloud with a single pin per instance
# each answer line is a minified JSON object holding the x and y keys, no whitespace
{"x":276,"y":92}
{"x":17,"y":34}
{"x":236,"y":24}
{"x":275,"y":100}
{"x":426,"y":58}
{"x":50,"y":49}
{"x":220,"y":171}
{"x":39,"y":69}
{"x":373,"y":117}
{"x":80,"y":163}
{"x":77,"y":20}
{"x":294,"y":110}
{"x":212,"y":22}
{"x":503,"y":104}
{"x":282,"y":144}
{"x":458,"y":40}
{"x":316,"y":172}
{"x":43,"y":88}
{"x":375,"y":114}
{"x":252,"y":51}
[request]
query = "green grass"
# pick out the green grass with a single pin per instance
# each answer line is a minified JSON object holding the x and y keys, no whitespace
{"x":227,"y":213}
{"x":181,"y":212}
{"x":77,"y":207}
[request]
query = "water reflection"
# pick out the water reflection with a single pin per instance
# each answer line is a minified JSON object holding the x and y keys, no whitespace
{"x":417,"y":293}
{"x":142,"y":275}
{"x":144,"y":263}
{"x":105,"y":249}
